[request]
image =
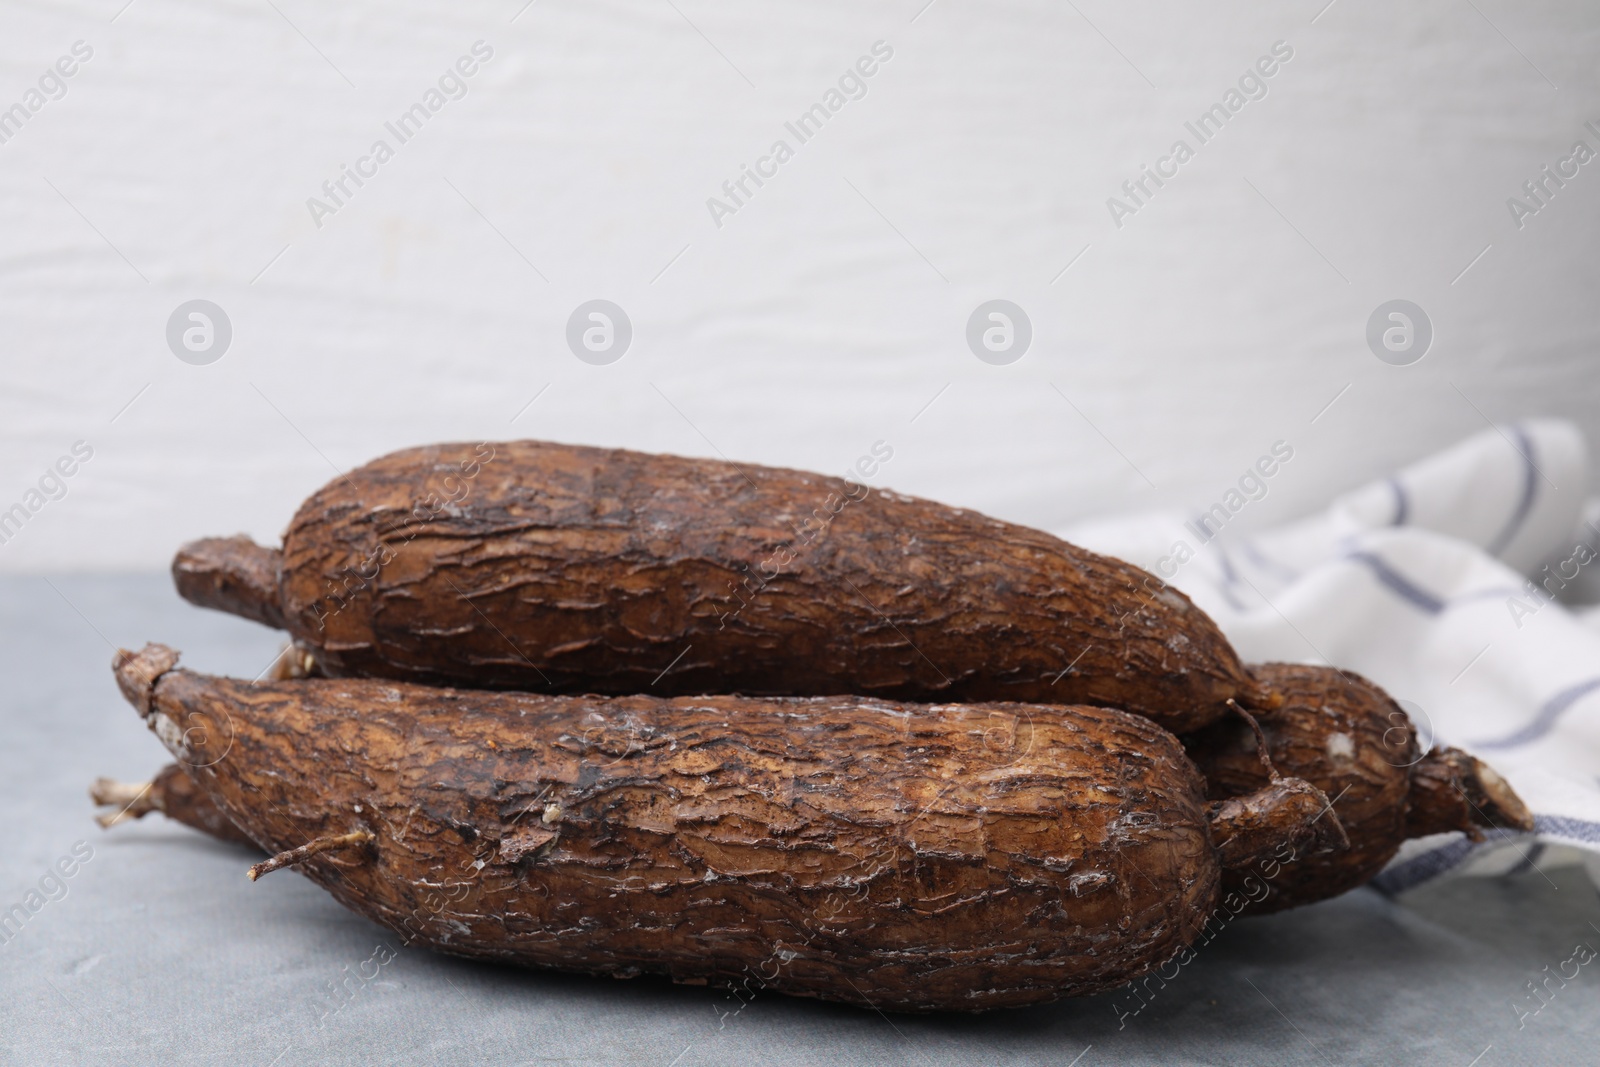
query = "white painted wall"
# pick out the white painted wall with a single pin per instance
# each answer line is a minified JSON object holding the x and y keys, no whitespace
{"x":831,"y":308}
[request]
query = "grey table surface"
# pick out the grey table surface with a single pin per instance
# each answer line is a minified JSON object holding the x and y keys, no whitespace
{"x":161,"y":952}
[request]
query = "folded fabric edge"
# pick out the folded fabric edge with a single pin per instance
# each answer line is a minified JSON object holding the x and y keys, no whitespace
{"x":1453,"y":853}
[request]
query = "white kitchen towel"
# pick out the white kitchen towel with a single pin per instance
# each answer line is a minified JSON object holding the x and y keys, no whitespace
{"x":1447,"y":583}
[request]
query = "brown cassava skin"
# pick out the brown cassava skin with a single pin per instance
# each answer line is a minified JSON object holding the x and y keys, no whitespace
{"x":173,"y":793}
{"x":1346,"y":736}
{"x":898,"y":857}
{"x":1452,"y":790}
{"x":557,"y":568}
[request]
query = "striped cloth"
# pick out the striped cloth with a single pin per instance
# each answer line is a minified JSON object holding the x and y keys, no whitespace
{"x":1450,"y":583}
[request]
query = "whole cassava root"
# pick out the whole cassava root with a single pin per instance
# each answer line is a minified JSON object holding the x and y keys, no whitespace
{"x":556,"y":568}
{"x":171,"y":792}
{"x":881,"y":854}
{"x":1350,"y":739}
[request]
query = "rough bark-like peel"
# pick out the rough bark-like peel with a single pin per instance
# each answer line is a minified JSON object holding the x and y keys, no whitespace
{"x":895,"y":856}
{"x":556,"y":568}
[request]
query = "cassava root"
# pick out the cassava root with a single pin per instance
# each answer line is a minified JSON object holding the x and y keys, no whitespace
{"x":855,"y":849}
{"x":561,"y":569}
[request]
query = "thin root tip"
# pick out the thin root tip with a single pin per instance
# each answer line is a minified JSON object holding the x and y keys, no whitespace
{"x":296,"y":856}
{"x":105,"y":791}
{"x":131,"y":799}
{"x":1263,"y":752}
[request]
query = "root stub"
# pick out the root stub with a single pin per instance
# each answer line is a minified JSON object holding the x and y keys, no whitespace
{"x":1451,"y":790}
{"x":232,"y":574}
{"x":1249,"y":828}
{"x":315,"y":847}
{"x":171,"y":792}
{"x":138,"y":672}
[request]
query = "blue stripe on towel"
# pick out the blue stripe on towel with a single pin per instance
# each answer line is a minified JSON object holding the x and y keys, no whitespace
{"x":1503,"y":592}
{"x":1568,"y":827}
{"x":1423,"y":868}
{"x":1530,"y":485}
{"x":1402,"y":503}
{"x":1398,"y":583}
{"x":1391,"y":578}
{"x":1545,"y":718}
{"x":1448,"y":857}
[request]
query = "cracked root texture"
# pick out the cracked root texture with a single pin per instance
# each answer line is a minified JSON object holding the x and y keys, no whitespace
{"x":897,"y":857}
{"x":556,"y":568}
